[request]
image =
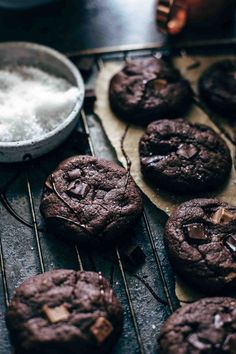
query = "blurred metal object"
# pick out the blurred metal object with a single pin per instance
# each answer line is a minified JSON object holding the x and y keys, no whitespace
{"x":164,"y":8}
{"x":171,"y":16}
{"x":174,"y":15}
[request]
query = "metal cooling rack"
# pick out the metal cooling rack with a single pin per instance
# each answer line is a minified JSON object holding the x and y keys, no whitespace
{"x":146,"y":290}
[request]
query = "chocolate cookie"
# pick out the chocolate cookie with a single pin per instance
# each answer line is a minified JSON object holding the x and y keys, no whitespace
{"x":217,"y":86}
{"x":64,"y":311}
{"x":149,"y":89}
{"x":207,"y":326}
{"x":184,"y":157}
{"x":89,"y":199}
{"x":201,"y":239}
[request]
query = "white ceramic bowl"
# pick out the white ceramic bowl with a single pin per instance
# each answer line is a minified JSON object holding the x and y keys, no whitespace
{"x":22,"y":53}
{"x":23,"y":4}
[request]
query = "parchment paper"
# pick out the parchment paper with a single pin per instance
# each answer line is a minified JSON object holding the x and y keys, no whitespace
{"x":115,"y":128}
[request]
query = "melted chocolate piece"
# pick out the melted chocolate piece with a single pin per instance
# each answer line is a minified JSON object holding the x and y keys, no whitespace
{"x":221,"y":318}
{"x":228,"y":216}
{"x":218,"y":322}
{"x":101,"y":329}
{"x":198,"y":343}
{"x":216,"y":217}
{"x":187,"y":151}
{"x":223,"y":215}
{"x":73,"y":174}
{"x":196,"y":231}
{"x":56,"y":314}
{"x":231,"y":244}
{"x":78,"y":190}
{"x":151,"y":159}
{"x":157,"y":84}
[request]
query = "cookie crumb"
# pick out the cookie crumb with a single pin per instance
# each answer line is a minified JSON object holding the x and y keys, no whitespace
{"x":222,"y":215}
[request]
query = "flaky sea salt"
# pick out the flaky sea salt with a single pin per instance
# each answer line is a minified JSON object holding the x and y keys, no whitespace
{"x":32,"y":102}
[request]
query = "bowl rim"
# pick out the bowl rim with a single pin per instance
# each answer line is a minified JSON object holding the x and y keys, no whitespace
{"x":76,"y":108}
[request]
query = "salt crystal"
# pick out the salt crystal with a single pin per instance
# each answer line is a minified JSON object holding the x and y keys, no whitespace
{"x":33,"y":102}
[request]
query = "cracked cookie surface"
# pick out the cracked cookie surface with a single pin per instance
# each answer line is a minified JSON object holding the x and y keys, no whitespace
{"x":200,"y":236}
{"x":207,"y":326}
{"x":90,"y":199}
{"x":149,"y":89}
{"x":217,"y":86}
{"x":184,"y":157}
{"x":64,"y":311}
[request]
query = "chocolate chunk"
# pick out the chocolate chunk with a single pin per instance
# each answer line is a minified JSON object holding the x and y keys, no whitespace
{"x":157,"y":84}
{"x":198,"y":343}
{"x":101,"y":329}
{"x":223,"y":215}
{"x":56,"y":314}
{"x":151,"y":159}
{"x":231,"y":244}
{"x":78,"y":190}
{"x":73,"y":174}
{"x":216,"y":217}
{"x":221,"y":318}
{"x":196,"y":231}
{"x":90,"y":98}
{"x":228,"y":216}
{"x":218,"y":322}
{"x":187,"y":151}
{"x":133,"y":255}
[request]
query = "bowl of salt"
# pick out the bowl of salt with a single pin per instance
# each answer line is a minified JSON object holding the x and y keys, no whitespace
{"x":41,"y":95}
